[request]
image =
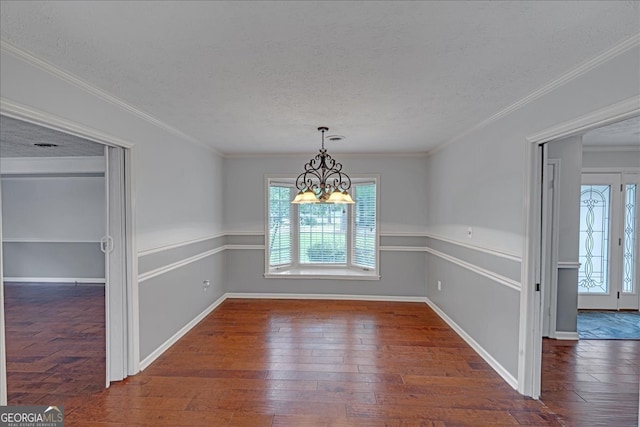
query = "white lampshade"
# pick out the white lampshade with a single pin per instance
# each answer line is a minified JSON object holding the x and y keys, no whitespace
{"x":307,"y":196}
{"x":339,"y":197}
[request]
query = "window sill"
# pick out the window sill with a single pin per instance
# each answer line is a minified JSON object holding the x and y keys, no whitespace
{"x":331,"y":273}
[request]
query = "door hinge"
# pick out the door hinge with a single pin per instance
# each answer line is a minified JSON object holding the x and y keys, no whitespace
{"x":618,"y":295}
{"x":621,"y":187}
{"x":619,"y":241}
{"x":537,"y":287}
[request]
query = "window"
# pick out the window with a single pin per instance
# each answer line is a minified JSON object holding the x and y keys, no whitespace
{"x":322,"y":240}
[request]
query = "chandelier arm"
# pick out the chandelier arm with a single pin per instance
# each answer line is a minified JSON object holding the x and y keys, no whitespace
{"x":305,"y":179}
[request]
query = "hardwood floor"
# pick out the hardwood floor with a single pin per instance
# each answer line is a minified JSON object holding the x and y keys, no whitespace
{"x":55,"y":341}
{"x":592,"y":382}
{"x":328,"y":363}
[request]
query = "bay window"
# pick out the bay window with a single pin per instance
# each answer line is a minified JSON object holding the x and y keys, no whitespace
{"x":322,"y":240}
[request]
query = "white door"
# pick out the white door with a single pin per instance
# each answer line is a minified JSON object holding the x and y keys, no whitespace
{"x":607,"y":278}
{"x":115,"y":249}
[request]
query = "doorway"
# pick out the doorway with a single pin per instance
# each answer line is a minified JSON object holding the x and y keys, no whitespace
{"x":120,"y":297}
{"x":533,"y":286}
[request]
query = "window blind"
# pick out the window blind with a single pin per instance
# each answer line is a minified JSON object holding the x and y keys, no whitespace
{"x":323,"y":234}
{"x":279,"y":225}
{"x":364,"y":230}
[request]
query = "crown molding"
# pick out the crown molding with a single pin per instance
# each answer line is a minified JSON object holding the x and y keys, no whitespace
{"x":621,"y":47}
{"x":40,"y":63}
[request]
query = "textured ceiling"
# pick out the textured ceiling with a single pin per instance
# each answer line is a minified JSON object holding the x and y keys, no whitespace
{"x":17,"y":139}
{"x":259,"y":77}
{"x":622,"y":133}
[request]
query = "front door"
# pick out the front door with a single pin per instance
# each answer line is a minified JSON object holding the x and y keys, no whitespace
{"x":608,"y":245}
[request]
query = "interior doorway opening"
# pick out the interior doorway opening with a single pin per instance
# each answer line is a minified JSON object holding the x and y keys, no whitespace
{"x":531,"y":302}
{"x":120,"y":295}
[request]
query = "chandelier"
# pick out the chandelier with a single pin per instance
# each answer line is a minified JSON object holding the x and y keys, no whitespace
{"x":323,"y":180}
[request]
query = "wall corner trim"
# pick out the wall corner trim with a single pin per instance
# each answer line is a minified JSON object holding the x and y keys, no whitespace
{"x":147,"y":361}
{"x":506,"y":375}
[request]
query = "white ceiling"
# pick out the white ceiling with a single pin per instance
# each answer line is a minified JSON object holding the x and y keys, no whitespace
{"x":624,"y":133}
{"x":259,"y":77}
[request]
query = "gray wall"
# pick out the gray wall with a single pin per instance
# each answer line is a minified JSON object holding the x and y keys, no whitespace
{"x":177,"y":191}
{"x":52,"y":226}
{"x":478,"y":180}
{"x":401,"y":178}
{"x":569,"y":152}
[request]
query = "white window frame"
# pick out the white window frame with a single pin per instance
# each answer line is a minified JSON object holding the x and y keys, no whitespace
{"x":295,"y":270}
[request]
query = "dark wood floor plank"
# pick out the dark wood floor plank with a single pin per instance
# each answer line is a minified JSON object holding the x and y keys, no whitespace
{"x":55,"y":338}
{"x":308,"y":363}
{"x":592,"y":382}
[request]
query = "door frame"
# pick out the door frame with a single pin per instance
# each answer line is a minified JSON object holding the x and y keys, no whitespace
{"x":132,"y":338}
{"x":530,"y":341}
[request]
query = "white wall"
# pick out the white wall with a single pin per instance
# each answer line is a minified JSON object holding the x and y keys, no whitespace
{"x":478,"y":181}
{"x":177,"y":184}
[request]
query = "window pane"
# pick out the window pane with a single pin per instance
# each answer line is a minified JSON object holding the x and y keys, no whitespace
{"x":629,"y":237}
{"x":279,"y":225}
{"x":323,"y":232}
{"x":593,"y":276}
{"x":364,"y":232}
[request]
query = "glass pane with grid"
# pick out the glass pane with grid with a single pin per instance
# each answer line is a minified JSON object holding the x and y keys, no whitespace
{"x":593,"y":275}
{"x":323,"y":234}
{"x":364,"y":231}
{"x":279,"y":225}
{"x":629,"y":239}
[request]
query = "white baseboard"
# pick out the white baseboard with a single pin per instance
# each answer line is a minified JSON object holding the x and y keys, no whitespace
{"x":388,"y":298}
{"x":510,"y":379}
{"x":569,"y":336}
{"x":73,"y":280}
{"x":171,"y":341}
